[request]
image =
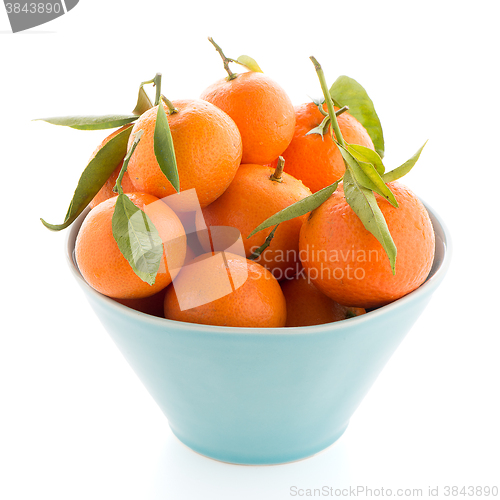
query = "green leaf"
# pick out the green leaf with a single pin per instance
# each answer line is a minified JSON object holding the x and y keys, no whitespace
{"x":249,"y":63}
{"x":137,"y":238}
{"x":255,"y":255}
{"x":398,"y":172}
{"x":364,"y":204}
{"x":377,"y":184}
{"x":164,"y":148}
{"x":298,"y":208}
{"x":96,"y":173}
{"x":367,"y":175}
{"x":117,"y":188}
{"x":143,"y":102}
{"x":91,"y":122}
{"x":350,"y":93}
{"x":362,"y":153}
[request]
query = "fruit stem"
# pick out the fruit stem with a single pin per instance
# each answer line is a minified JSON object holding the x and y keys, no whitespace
{"x":329,"y":102}
{"x":341,"y":110}
{"x":118,"y":186}
{"x":171,"y":108}
{"x":225,"y":60}
{"x":276,"y":177}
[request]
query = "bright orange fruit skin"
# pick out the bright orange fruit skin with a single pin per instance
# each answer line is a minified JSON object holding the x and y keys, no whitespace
{"x":251,"y":198}
{"x":307,"y":306}
{"x":103,"y":266}
{"x":258,"y":303}
{"x":316,"y":160}
{"x":207,"y":147}
{"x":262,"y":111}
{"x":349,"y":265}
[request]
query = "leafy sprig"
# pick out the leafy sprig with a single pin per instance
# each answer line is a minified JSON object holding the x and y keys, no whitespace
{"x":162,"y":141}
{"x":364,"y":170}
{"x":246,"y":61}
{"x":135,"y":234}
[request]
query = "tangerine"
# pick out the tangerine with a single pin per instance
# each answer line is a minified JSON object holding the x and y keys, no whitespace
{"x":207,"y":147}
{"x":103,"y":266}
{"x":349,"y":265}
{"x":234,"y":292}
{"x":262,"y":111}
{"x":315,"y":159}
{"x":307,"y":306}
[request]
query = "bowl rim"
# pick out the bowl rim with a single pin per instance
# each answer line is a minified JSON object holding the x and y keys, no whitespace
{"x":427,"y":287}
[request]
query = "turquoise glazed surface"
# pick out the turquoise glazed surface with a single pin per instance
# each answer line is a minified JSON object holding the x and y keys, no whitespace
{"x":261,"y":396}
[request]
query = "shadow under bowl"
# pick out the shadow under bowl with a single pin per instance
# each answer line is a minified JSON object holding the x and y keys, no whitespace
{"x":261,"y":395}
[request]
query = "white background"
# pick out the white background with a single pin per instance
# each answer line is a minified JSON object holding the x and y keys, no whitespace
{"x":75,"y":423}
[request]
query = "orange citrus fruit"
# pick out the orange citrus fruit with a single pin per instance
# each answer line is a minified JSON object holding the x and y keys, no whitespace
{"x":349,"y":265}
{"x":250,"y":199}
{"x":307,"y":306}
{"x":207,"y":147}
{"x":103,"y":266}
{"x":314,"y":159}
{"x":262,"y":111}
{"x":238,"y":293}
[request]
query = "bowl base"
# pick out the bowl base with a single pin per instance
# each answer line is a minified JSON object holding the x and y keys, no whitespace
{"x":264,"y":463}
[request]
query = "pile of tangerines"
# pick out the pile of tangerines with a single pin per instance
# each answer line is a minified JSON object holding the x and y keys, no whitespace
{"x":320,"y":219}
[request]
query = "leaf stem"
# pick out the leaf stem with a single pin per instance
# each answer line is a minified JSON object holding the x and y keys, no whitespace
{"x":147,"y":82}
{"x":276,"y":176}
{"x":328,"y":100}
{"x":156,"y":81}
{"x":157,"y":84}
{"x":225,"y":59}
{"x":118,"y":186}
{"x":258,"y":252}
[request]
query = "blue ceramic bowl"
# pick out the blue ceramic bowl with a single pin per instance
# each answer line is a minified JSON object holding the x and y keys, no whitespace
{"x":258,"y":395}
